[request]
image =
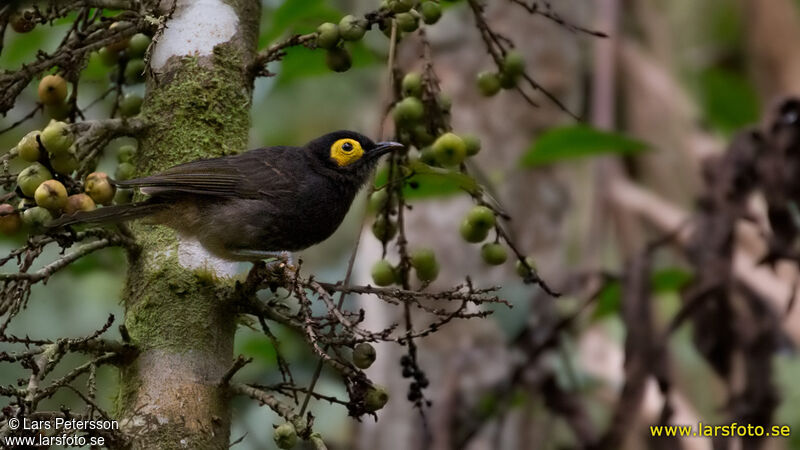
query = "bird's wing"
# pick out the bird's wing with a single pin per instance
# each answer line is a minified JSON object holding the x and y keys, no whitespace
{"x":250,"y":175}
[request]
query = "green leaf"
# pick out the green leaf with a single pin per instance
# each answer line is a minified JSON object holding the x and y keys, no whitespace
{"x":729,"y":100}
{"x":578,"y":141}
{"x":427,"y":182}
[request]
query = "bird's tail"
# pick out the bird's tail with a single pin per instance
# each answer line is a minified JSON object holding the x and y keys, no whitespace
{"x":109,"y":214}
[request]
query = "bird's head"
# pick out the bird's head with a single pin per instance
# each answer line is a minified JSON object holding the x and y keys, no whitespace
{"x":349,"y":154}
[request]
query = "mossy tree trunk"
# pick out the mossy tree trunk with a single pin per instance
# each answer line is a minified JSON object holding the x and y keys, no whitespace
{"x":177,"y":298}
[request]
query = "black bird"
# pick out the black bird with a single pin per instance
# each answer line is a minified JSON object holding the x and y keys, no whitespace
{"x":246,"y":207}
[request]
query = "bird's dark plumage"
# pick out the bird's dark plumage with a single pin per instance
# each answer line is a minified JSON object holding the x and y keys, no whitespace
{"x":245,"y":206}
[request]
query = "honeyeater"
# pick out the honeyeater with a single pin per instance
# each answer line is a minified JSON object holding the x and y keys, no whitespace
{"x":249,"y":206}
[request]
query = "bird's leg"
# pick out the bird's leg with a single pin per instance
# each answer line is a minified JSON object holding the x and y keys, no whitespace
{"x":272,"y":259}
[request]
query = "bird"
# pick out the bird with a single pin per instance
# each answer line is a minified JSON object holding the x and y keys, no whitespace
{"x":253,"y":205}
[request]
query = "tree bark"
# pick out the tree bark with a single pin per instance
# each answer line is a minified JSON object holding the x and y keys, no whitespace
{"x":177,"y":298}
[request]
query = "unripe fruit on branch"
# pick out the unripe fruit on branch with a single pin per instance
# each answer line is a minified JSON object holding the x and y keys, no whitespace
{"x":401,"y":6}
{"x":408,"y":110}
{"x":424,"y":263}
{"x":493,"y":254}
{"x":56,"y":137}
{"x":52,"y":90}
{"x":411,"y":85}
{"x":51,"y":195}
{"x":134,"y":71}
{"x":481,"y":217}
{"x":352,"y":28}
{"x":383,"y":273}
{"x":137,"y":47}
{"x":406,"y":22}
{"x":376,"y":398}
{"x":99,"y":188}
{"x":125,"y":153}
{"x":449,"y":149}
{"x":513,"y":64}
{"x":64,"y":163}
{"x":488,"y":83}
{"x":384,"y":229}
{"x":285,"y":436}
{"x":10,"y":221}
{"x":338,"y":59}
{"x":28,"y":147}
{"x":472,"y":143}
{"x":130,"y":105}
{"x":421,"y":135}
{"x":36,"y":217}
{"x":471,"y":233}
{"x":364,"y":355}
{"x":78,"y":202}
{"x":31,"y":177}
{"x":431,"y":12}
{"x":108,"y":57}
{"x":124,"y":171}
{"x":426,"y":155}
{"x":507,"y":81}
{"x":378,"y":199}
{"x":327,"y":35}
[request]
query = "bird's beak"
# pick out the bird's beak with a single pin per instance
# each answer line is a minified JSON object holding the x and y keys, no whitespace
{"x":382,"y":148}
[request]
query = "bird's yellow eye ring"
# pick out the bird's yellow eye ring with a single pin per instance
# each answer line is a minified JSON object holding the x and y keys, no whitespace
{"x":346,"y":151}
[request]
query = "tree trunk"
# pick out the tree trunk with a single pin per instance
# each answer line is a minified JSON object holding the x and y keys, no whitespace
{"x":177,"y":298}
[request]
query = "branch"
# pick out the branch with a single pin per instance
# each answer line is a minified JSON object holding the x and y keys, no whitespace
{"x":277,"y":51}
{"x":548,"y":13}
{"x":48,"y":270}
{"x":264,"y":398}
{"x":74,"y":50}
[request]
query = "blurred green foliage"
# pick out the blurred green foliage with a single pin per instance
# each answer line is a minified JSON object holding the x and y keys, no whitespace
{"x":609,"y":300}
{"x":728,"y":98}
{"x":578,"y":141}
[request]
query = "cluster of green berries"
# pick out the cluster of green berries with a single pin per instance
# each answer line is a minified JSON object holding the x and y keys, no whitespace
{"x":43,"y":197}
{"x":445,"y":150}
{"x":511,"y":70}
{"x":408,"y":13}
{"x":423,"y":261}
{"x":128,"y":53}
{"x":475,"y":228}
{"x":331,"y":37}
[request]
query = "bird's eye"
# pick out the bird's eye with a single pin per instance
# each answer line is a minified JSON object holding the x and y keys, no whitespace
{"x":346,"y":151}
